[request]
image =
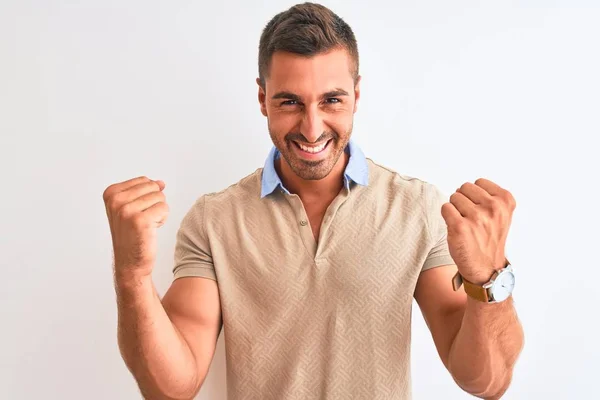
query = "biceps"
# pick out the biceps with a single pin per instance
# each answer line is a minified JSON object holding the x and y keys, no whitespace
{"x":194,"y":307}
{"x":441,"y":306}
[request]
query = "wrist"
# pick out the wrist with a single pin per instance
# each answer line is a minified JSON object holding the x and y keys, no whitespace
{"x":125,"y":279}
{"x":494,"y":289}
{"x":133,"y":289}
{"x":479,"y":279}
{"x":483,"y":276}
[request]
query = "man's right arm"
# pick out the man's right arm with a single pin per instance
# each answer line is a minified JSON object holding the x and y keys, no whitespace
{"x":168,"y":346}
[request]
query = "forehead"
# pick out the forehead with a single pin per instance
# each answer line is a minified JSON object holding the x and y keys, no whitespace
{"x":310,"y":75}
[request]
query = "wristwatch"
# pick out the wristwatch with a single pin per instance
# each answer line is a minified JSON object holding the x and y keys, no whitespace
{"x":497,"y":289}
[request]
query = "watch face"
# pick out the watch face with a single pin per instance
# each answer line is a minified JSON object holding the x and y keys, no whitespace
{"x":503,"y":286}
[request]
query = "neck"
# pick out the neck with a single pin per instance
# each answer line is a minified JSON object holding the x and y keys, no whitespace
{"x":329,"y":186}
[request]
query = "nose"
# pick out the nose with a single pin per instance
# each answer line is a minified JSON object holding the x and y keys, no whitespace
{"x":312,"y":125}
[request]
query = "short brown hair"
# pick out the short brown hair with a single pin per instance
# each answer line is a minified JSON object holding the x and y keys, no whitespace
{"x":306,"y":29}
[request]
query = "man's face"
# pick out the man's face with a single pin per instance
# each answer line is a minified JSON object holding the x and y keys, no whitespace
{"x":310,"y":103}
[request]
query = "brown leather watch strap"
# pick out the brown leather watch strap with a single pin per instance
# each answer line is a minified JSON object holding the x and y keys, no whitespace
{"x":475,"y":291}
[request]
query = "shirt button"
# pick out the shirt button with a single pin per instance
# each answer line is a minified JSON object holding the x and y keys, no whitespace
{"x":303,"y":222}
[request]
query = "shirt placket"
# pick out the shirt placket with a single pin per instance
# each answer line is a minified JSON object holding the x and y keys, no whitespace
{"x":303,"y":223}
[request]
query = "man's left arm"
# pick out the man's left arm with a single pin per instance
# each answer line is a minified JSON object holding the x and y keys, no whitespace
{"x":478,"y":342}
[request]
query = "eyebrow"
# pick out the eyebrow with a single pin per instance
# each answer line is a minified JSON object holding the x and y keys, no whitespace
{"x":291,"y":96}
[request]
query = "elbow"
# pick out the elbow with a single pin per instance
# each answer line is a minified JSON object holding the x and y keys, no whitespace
{"x":492,"y":377}
{"x":152,"y":391}
{"x":497,"y":388}
{"x":166,"y":387}
{"x":492,"y":388}
{"x":155,"y":385}
{"x":500,"y":381}
{"x":149,"y":395}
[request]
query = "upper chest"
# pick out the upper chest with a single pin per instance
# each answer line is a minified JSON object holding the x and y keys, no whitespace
{"x":272,"y":251}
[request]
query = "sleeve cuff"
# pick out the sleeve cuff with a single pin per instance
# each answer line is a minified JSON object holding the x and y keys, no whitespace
{"x":437,"y":261}
{"x":194,"y":271}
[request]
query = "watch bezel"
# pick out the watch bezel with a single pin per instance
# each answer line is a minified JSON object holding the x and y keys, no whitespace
{"x":492,"y":284}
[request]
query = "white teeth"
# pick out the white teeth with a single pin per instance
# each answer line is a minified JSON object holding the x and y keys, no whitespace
{"x":313,"y":149}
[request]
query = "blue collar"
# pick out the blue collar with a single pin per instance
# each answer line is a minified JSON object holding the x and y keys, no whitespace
{"x":357,"y":170}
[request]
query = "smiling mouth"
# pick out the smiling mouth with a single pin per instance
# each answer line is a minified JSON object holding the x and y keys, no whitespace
{"x":312,"y":149}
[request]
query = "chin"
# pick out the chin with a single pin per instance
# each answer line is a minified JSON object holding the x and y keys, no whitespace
{"x":311,"y":174}
{"x":314,"y":170}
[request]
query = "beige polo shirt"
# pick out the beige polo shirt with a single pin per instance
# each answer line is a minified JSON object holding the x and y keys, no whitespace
{"x":308,"y":320}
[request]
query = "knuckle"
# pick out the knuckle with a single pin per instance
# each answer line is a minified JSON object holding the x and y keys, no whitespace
{"x":106,"y":194}
{"x":460,"y":226}
{"x":510,"y":200}
{"x":139,"y":221}
{"x":495,"y":203}
{"x":479,"y":218}
{"x":446,"y":207}
{"x":114,"y":203}
{"x":497,"y":208}
{"x":126,"y":211}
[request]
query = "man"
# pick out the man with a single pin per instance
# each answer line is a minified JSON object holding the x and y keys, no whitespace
{"x":311,"y":263}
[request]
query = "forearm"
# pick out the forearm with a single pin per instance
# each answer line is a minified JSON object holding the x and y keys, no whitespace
{"x":153,"y":350}
{"x":486,"y":347}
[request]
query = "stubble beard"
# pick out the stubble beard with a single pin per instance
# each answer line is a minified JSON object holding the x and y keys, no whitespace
{"x":306,"y":169}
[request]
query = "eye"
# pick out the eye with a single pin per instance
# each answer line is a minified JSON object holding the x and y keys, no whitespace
{"x":289,"y":103}
{"x":332,"y":100}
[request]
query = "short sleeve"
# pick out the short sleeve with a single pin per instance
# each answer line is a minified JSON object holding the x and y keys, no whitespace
{"x":192,"y":252}
{"x":438,"y":231}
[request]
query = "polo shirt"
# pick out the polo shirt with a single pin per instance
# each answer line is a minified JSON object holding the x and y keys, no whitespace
{"x":316,"y":320}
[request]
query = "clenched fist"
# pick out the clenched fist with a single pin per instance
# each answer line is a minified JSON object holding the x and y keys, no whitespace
{"x":478,"y":217}
{"x":135,"y":209}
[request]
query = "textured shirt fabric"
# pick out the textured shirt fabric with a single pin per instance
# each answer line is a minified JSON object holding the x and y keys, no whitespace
{"x":316,"y":320}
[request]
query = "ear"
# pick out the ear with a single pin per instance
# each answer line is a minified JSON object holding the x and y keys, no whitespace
{"x":357,"y":93}
{"x":262,"y":96}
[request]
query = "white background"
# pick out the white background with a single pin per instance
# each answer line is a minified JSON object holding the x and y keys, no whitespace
{"x":96,"y":92}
